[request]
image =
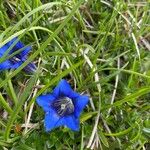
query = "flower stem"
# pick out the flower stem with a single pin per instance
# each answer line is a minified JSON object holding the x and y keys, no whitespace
{"x":4,"y":104}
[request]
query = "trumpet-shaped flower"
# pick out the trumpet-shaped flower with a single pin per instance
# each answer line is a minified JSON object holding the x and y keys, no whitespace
{"x":62,"y":107}
{"x":15,"y":60}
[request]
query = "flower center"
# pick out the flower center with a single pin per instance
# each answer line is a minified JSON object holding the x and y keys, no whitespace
{"x":63,"y":106}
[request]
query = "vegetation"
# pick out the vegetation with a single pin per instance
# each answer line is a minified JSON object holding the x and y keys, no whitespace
{"x":102,"y":49}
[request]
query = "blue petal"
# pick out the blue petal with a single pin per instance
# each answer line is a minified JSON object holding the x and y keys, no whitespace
{"x":5,"y":65}
{"x":10,"y":43}
{"x":10,"y":64}
{"x":45,"y":101}
{"x":79,"y":104}
{"x":30,"y":67}
{"x":72,"y":122}
{"x":64,"y":89}
{"x":26,"y":51}
{"x":16,"y":65}
{"x":20,"y":45}
{"x":52,"y":120}
{"x":3,"y":49}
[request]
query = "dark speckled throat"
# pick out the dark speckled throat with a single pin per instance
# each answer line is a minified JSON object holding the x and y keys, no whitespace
{"x":63,"y":106}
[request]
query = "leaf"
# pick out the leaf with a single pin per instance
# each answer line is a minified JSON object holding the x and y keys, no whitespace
{"x":103,"y":139}
{"x":17,"y":109}
{"x":44,"y":45}
{"x":87,"y":116}
{"x":4,"y":104}
{"x":129,"y":98}
{"x":121,"y":132}
{"x":147,"y":130}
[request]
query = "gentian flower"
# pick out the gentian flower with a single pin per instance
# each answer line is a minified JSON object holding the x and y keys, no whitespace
{"x":16,"y":60}
{"x":62,"y":107}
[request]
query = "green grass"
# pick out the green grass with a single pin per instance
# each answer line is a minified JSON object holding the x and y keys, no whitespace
{"x":102,"y":48}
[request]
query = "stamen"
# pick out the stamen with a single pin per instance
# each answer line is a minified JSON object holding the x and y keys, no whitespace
{"x":63,"y":106}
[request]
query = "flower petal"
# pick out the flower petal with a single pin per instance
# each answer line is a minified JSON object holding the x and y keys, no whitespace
{"x":25,"y":51}
{"x":19,"y":45}
{"x":15,"y":47}
{"x":51,"y":120}
{"x":11,"y":42}
{"x":72,"y":122}
{"x":79,"y":104}
{"x":16,"y":65}
{"x":30,"y":67}
{"x":45,"y":101}
{"x":3,"y":49}
{"x":5,"y":65}
{"x":64,"y":89}
{"x":18,"y":59}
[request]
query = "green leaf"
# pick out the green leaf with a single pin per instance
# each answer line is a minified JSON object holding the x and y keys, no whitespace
{"x":129,"y":98}
{"x":87,"y":116}
{"x":147,"y":130}
{"x":103,"y":138}
{"x":17,"y":109}
{"x":124,"y":132}
{"x":44,"y":45}
{"x":4,"y":104}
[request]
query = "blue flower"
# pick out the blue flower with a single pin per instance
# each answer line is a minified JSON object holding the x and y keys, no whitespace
{"x":62,"y":107}
{"x":16,"y":60}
